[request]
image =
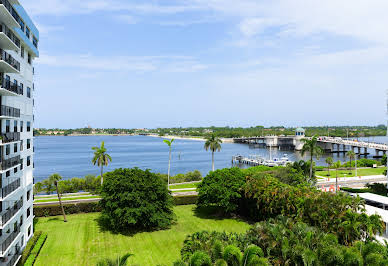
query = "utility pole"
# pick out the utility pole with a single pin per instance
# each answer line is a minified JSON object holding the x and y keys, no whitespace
{"x":387,"y":133}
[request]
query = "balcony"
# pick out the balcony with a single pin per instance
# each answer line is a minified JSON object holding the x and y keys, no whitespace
{"x":8,"y":189}
{"x":10,"y":137}
{"x":9,"y":88}
{"x":10,"y":213}
{"x":8,"y":39}
{"x":15,"y":257}
{"x":8,"y":111}
{"x":8,"y":64}
{"x":9,"y":240}
{"x":8,"y":14}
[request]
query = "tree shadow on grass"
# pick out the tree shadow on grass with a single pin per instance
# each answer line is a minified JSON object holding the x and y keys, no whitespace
{"x":216,"y":213}
{"x":53,"y":219}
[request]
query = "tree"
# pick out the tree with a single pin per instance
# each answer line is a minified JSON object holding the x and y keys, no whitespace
{"x":169,"y":143}
{"x":311,"y":146}
{"x":329,"y":161}
{"x":135,"y":199}
{"x":101,"y":158}
{"x":54,"y":178}
{"x":48,"y":186}
{"x":214,"y":144}
{"x":351,"y":155}
{"x":336,"y":165}
{"x":119,"y":261}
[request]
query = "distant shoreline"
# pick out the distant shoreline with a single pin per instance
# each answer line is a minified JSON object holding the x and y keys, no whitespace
{"x":224,"y":140}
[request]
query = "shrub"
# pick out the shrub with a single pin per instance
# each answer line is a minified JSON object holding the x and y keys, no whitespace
{"x":179,"y":263}
{"x":35,"y":251}
{"x":135,"y":199}
{"x":232,"y":255}
{"x":251,"y":252}
{"x":55,"y":210}
{"x":200,"y":258}
{"x":30,"y":245}
{"x":222,"y":189}
{"x":220,"y":262}
{"x":378,"y":188}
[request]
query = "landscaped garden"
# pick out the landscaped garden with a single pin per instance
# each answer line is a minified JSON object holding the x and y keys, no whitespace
{"x":81,"y":241}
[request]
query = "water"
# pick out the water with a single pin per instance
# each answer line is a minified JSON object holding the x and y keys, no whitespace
{"x":71,"y":156}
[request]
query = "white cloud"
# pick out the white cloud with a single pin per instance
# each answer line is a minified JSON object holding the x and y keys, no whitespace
{"x":128,"y":19}
{"x":252,"y":26}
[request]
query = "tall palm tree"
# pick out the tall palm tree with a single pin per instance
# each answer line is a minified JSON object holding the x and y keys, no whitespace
{"x":351,"y":155}
{"x":214,"y":144}
{"x":329,"y":161}
{"x":311,"y":146}
{"x":54,"y":178}
{"x":336,"y":166}
{"x":101,"y":158}
{"x":169,"y":143}
{"x":119,"y":261}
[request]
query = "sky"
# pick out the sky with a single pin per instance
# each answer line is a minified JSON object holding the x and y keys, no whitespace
{"x":148,"y":64}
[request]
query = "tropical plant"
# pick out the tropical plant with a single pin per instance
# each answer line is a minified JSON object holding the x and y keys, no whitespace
{"x":329,"y":161}
{"x":351,"y":156}
{"x":119,"y":261}
{"x":135,"y":199}
{"x":311,"y":146}
{"x":54,"y":179}
{"x":214,"y":144}
{"x":169,"y":143}
{"x":336,"y":166}
{"x":101,"y":158}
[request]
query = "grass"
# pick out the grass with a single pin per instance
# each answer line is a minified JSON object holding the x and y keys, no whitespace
{"x":348,"y":173}
{"x":184,"y":190}
{"x":81,"y":242}
{"x":65,"y":199}
{"x":180,"y":186}
{"x":66,"y":195}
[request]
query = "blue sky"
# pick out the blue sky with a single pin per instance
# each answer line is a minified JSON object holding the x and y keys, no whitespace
{"x":138,"y":64}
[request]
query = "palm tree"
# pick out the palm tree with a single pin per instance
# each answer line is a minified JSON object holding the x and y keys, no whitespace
{"x":119,"y":261}
{"x":214,"y":144}
{"x":101,"y":158}
{"x":336,"y":166}
{"x":329,"y":161}
{"x":54,"y":178}
{"x":311,"y":146}
{"x":351,"y":155}
{"x":169,"y":143}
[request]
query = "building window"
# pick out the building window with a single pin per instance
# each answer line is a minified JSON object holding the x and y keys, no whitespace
{"x":35,"y":42}
{"x":28,"y":92}
{"x":28,"y":126}
{"x":21,"y":23}
{"x":28,"y":195}
{"x":7,"y":126}
{"x":29,"y":231}
{"x":7,"y":174}
{"x":15,"y":126}
{"x":28,"y":144}
{"x":21,"y":145}
{"x":29,"y":58}
{"x":21,"y":89}
{"x":21,"y":126}
{"x":28,"y":160}
{"x":15,"y":148}
{"x":21,"y":220}
{"x":7,"y":149}
{"x":22,"y":52}
{"x":15,"y":170}
{"x":28,"y":32}
{"x":21,"y":164}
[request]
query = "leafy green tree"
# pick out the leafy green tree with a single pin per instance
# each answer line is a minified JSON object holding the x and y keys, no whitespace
{"x":101,"y":158}
{"x":135,"y":199}
{"x":54,"y":179}
{"x":232,"y":255}
{"x":38,"y":187}
{"x":351,"y":156}
{"x":169,"y":143}
{"x":214,"y":144}
{"x":200,"y":258}
{"x":119,"y":261}
{"x":311,"y":146}
{"x":48,"y":186}
{"x":329,"y":161}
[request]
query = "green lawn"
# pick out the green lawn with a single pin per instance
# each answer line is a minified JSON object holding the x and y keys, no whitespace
{"x":191,"y":185}
{"x":360,"y":172}
{"x":81,"y":242}
{"x":65,"y":199}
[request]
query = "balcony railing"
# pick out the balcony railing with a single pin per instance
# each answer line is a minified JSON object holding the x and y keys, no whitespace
{"x":11,"y":86}
{"x":9,"y":111}
{"x":11,"y":212}
{"x":15,"y":257}
{"x":10,"y":137}
{"x":8,"y":189}
{"x":11,"y":10}
{"x":9,"y":59}
{"x":6,"y":164}
{"x":10,"y":238}
{"x":10,"y":34}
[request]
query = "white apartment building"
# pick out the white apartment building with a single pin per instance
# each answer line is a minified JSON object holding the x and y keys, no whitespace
{"x":18,"y":48}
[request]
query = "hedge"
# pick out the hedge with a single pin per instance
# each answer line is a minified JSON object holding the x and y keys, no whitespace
{"x":356,"y":190}
{"x":86,"y":207}
{"x":35,"y":251}
{"x":30,"y":245}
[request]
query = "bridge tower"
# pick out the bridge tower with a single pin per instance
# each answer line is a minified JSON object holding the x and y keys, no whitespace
{"x":300,"y":133}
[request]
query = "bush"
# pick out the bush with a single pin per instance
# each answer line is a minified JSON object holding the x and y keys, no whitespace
{"x":378,"y":188}
{"x":135,"y":199}
{"x":55,"y":210}
{"x":232,"y":255}
{"x":200,"y":258}
{"x":181,"y":178}
{"x":222,"y":189}
{"x":30,"y":245}
{"x":250,"y":253}
{"x":35,"y":251}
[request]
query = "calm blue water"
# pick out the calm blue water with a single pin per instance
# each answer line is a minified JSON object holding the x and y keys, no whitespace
{"x":71,"y":156}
